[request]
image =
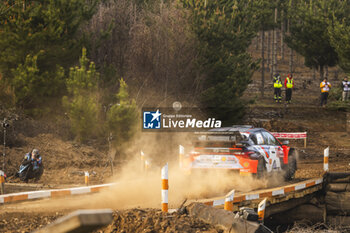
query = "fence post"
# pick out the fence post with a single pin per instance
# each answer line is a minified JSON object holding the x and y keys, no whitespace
{"x":261,"y":210}
{"x":229,"y":200}
{"x":165,"y":187}
{"x":2,"y":182}
{"x":87,"y":177}
{"x":305,"y":140}
{"x":181,"y":155}
{"x":325,"y":159}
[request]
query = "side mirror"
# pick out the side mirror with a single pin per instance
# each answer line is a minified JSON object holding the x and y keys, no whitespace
{"x":285,"y":142}
{"x":245,"y":143}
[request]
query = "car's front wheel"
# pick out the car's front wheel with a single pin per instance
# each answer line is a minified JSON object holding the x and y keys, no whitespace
{"x":291,"y":167}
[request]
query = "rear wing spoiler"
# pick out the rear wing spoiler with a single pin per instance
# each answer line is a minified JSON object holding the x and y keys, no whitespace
{"x":233,"y":137}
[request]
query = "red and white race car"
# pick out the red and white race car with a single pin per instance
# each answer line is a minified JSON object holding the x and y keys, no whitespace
{"x":242,"y":148}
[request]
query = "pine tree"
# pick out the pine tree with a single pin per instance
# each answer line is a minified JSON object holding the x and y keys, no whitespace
{"x":45,"y":30}
{"x":122,"y":117}
{"x":339,"y":31}
{"x":83,"y":103}
{"x":309,"y":36}
{"x":225,"y":30}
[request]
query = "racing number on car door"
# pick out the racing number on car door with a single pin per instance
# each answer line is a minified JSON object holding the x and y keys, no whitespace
{"x":274,"y":161}
{"x":272,"y":146}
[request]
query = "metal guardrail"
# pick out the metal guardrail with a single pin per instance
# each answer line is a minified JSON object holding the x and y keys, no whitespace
{"x":32,"y":195}
{"x":274,"y":195}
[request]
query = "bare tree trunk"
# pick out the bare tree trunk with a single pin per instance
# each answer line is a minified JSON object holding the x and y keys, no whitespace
{"x":282,"y":36}
{"x":272,"y":53}
{"x":268,"y":50}
{"x":314,"y":73}
{"x":257,"y":41}
{"x":290,"y":60}
{"x":262,"y":62}
{"x":275,"y":46}
{"x":326,"y":71}
{"x":290,"y":53}
{"x":321,"y":72}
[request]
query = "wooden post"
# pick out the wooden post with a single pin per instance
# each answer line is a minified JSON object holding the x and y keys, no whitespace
{"x":165,"y":187}
{"x":261,"y":210}
{"x":181,"y":155}
{"x":229,"y":200}
{"x":325,"y":159}
{"x":87,"y":177}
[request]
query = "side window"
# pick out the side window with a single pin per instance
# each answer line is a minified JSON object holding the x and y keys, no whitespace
{"x":260,"y":140}
{"x":253,"y":138}
{"x":270,"y":140}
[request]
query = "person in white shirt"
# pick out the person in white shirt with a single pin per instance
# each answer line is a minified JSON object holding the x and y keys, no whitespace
{"x":346,"y":89}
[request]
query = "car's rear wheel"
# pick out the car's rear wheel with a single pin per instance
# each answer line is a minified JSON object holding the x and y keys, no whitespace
{"x":291,"y":166}
{"x":261,"y":169}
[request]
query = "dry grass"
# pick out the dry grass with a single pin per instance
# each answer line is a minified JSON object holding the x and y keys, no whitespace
{"x":317,"y":228}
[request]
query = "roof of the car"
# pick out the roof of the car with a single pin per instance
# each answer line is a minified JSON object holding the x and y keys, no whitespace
{"x":240,"y":128}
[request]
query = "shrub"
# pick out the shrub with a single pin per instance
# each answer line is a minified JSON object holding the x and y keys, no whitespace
{"x":83,"y":104}
{"x":122,"y":117}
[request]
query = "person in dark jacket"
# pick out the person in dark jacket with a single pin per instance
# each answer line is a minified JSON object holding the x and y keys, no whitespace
{"x":32,"y":166}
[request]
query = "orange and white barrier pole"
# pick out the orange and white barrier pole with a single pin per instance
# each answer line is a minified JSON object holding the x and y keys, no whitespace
{"x":181,"y":155}
{"x":229,"y":200}
{"x":147,"y":165}
{"x":261,"y":210}
{"x":325,"y":159}
{"x":165,"y":188}
{"x":142,"y":157}
{"x":2,"y":182}
{"x":87,"y":176}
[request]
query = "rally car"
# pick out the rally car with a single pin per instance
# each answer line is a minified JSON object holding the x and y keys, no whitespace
{"x":243,"y":148}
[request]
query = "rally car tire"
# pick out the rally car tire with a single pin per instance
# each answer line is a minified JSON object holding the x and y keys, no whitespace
{"x":291,"y":166}
{"x":261,"y":169}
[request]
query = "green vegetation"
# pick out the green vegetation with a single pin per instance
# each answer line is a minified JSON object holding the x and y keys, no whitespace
{"x":192,"y":51}
{"x":224,"y":30}
{"x":308,"y":33}
{"x":83,"y":104}
{"x":339,"y":32}
{"x":122,"y":117}
{"x":37,"y":39}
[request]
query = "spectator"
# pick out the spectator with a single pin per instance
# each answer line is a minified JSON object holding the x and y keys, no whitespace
{"x":346,"y":89}
{"x":289,"y":85}
{"x":325,"y":87}
{"x":277,"y":84}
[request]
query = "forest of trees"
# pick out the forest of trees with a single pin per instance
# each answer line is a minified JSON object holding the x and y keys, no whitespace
{"x":102,"y":60}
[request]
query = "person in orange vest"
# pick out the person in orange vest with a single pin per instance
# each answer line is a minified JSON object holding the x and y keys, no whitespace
{"x":325,"y":87}
{"x":289,"y":85}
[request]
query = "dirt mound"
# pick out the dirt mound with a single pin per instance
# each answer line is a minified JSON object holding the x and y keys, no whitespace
{"x":152,"y":220}
{"x":25,"y":222}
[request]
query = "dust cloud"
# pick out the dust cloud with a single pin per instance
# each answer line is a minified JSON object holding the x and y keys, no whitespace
{"x":135,"y":186}
{"x":138,"y":188}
